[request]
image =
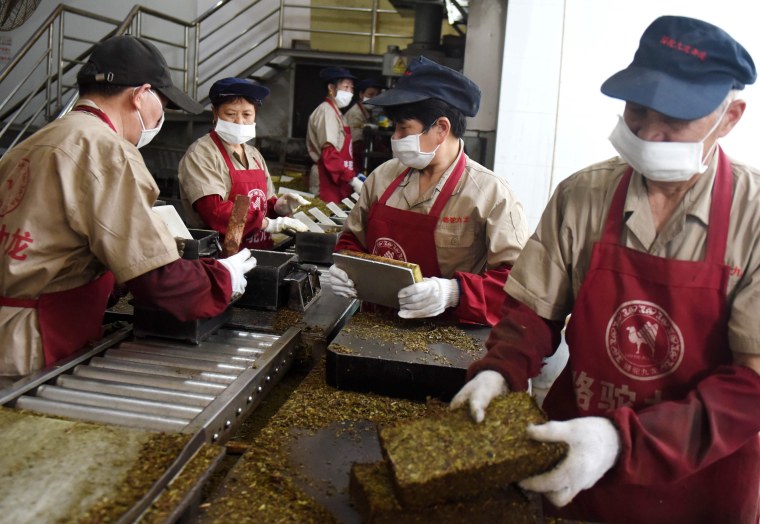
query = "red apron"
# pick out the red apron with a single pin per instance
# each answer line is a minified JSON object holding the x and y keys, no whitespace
{"x":406,"y":235}
{"x":330,"y":191}
{"x":650,"y":329}
{"x":69,"y":319}
{"x":251,"y":182}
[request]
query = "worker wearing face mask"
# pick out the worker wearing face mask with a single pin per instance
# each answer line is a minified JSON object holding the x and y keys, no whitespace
{"x":434,"y":206}
{"x":75,"y":216}
{"x":221,"y":165}
{"x":655,"y":253}
{"x":359,"y":115}
{"x":328,"y":139}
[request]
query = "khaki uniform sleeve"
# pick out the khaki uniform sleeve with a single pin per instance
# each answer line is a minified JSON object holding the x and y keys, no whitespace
{"x":324,"y":128}
{"x":112,"y":208}
{"x":202,"y":172}
{"x":506,"y":228}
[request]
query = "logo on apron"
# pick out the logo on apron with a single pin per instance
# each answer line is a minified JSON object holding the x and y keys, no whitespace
{"x":258,"y":199}
{"x":14,"y":187}
{"x":388,"y":248}
{"x":643,"y":342}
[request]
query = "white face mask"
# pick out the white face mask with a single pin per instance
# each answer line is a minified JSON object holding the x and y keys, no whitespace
{"x":343,"y":98}
{"x":233,"y":133}
{"x":407,"y":150}
{"x":146,"y":135}
{"x":366,"y":99}
{"x":661,"y":161}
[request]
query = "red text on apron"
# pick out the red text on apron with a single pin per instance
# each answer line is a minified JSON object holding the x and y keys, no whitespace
{"x":251,"y":182}
{"x":406,"y":235}
{"x":648,"y":329}
{"x":329,"y":190}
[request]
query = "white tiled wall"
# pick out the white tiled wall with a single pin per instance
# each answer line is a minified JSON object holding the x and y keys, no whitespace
{"x":553,"y":120}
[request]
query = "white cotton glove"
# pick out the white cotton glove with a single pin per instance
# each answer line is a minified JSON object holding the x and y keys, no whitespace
{"x":288,"y":203}
{"x":280,"y":224}
{"x":356,"y":184}
{"x":428,"y":298}
{"x":479,"y":392}
{"x":340,"y":283}
{"x":594,"y":446}
{"x":238,"y":265}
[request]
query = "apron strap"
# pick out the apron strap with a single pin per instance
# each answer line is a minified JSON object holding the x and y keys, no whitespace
{"x":337,"y":111}
{"x":19,"y":302}
{"x":98,"y":113}
{"x":392,"y":187}
{"x":720,"y":209}
{"x":226,"y":155}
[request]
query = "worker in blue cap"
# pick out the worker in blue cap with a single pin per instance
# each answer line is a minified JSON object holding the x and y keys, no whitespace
{"x":434,"y":206}
{"x":222,"y":164}
{"x":655,"y":254}
{"x":328,"y":139}
{"x":359,"y":115}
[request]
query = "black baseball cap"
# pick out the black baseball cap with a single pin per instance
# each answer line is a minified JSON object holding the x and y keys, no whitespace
{"x":228,"y":88}
{"x":425,"y":79}
{"x":684,"y":68}
{"x":130,"y":61}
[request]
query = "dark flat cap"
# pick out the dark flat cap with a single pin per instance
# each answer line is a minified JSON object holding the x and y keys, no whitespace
{"x":131,"y":61}
{"x":369,"y":82}
{"x":684,"y":68}
{"x":229,"y":88}
{"x":425,"y":79}
{"x":334,"y":73}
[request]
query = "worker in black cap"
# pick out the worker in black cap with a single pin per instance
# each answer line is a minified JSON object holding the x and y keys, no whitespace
{"x":328,"y":139}
{"x":359,"y":115}
{"x":222,"y":164}
{"x":436,"y":207}
{"x":75,"y":215}
{"x":655,"y":253}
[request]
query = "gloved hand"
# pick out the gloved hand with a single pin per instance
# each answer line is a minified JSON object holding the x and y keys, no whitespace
{"x":479,"y":392}
{"x":238,"y":265}
{"x":279,"y":224}
{"x":356,"y":184}
{"x":340,"y":283}
{"x":428,"y":298}
{"x":288,"y":203}
{"x":594,"y":446}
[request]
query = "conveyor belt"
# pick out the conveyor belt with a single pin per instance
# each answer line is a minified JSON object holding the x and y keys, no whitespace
{"x":158,"y":384}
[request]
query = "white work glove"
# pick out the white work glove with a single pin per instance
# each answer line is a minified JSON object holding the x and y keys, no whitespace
{"x":238,"y":265}
{"x":594,"y":446}
{"x":479,"y":392}
{"x":356,"y":184}
{"x":279,"y":224}
{"x":288,"y":203}
{"x":428,"y":298}
{"x":340,"y":283}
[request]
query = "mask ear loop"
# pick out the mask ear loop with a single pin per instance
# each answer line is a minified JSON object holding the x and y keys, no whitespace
{"x":711,"y":131}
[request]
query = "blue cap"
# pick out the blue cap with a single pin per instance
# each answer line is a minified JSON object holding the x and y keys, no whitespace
{"x":684,"y":68}
{"x":369,"y":82}
{"x":425,"y":79}
{"x":334,"y":73}
{"x":229,"y":88}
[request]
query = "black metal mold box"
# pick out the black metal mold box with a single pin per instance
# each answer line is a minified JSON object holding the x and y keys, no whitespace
{"x":205,"y":243}
{"x":266,"y":287}
{"x":154,"y":322}
{"x":317,"y":248}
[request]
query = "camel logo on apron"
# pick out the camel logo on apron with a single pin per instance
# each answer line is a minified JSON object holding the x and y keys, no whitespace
{"x":388,"y":248}
{"x":258,"y":199}
{"x":643,"y":341}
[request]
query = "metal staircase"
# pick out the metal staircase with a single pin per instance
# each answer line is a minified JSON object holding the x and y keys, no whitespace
{"x":39,"y":83}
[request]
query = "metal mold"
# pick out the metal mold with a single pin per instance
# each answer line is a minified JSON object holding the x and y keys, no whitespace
{"x":205,"y":243}
{"x":317,"y":248}
{"x":154,"y":322}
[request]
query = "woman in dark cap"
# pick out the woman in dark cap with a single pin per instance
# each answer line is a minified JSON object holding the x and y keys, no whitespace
{"x":221,"y":165}
{"x":359,"y":115}
{"x":329,"y":139}
{"x":434,"y":206}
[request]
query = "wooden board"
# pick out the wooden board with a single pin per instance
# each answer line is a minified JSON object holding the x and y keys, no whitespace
{"x":236,"y":226}
{"x":376,"y":281}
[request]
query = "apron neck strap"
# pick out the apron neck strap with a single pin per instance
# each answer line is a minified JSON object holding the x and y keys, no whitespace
{"x":98,"y":113}
{"x":226,"y":155}
{"x":446,"y":191}
{"x":720,"y":207}
{"x":337,"y":111}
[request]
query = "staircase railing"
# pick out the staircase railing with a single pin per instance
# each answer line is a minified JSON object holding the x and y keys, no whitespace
{"x":39,"y":83}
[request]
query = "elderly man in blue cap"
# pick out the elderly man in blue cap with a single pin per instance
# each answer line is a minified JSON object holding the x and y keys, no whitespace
{"x":435,"y":206}
{"x":655,"y":253}
{"x":328,"y":139}
{"x":222,"y":164}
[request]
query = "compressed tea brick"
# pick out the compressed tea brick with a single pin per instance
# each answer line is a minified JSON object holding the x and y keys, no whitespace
{"x":372,"y":494}
{"x":450,"y":457}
